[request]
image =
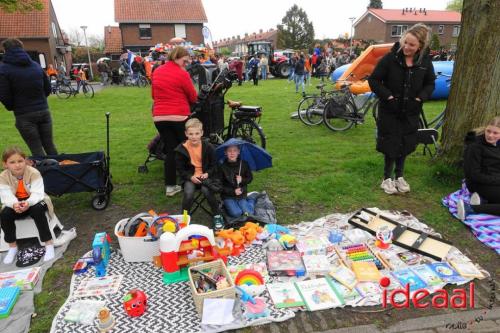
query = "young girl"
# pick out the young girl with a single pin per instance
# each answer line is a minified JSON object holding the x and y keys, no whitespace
{"x":482,"y":171}
{"x":22,"y":194}
{"x":235,"y":175}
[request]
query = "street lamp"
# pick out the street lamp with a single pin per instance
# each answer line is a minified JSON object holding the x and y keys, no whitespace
{"x":84,"y":27}
{"x":352,"y":27}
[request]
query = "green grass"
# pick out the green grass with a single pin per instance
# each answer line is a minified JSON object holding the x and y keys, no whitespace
{"x":315,"y":172}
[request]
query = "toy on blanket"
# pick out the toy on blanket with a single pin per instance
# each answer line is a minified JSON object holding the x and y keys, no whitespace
{"x":105,"y":320}
{"x":255,"y":307}
{"x":236,"y":237}
{"x":384,"y":238}
{"x":135,"y":302}
{"x":282,"y":234}
{"x":250,"y":231}
{"x":101,"y":253}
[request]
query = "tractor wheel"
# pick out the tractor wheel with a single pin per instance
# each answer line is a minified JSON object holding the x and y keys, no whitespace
{"x":283,"y":70}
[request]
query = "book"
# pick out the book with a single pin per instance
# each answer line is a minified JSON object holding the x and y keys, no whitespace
{"x":343,"y":275}
{"x":97,"y":286}
{"x":467,"y":269}
{"x":319,"y":294}
{"x":8,"y":298}
{"x":310,"y":245}
{"x":391,"y":259}
{"x":348,"y":295}
{"x":428,"y":275}
{"x":25,"y":279}
{"x":406,"y":276}
{"x":366,"y":271}
{"x":393,"y":282}
{"x":316,"y":264}
{"x":368,"y":288}
{"x":446,"y":272}
{"x":285,"y":263}
{"x":284,"y":295}
{"x":410,"y":258}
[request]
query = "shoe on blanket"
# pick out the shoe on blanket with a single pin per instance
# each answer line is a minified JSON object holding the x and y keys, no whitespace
{"x":475,"y":199}
{"x":463,"y":209}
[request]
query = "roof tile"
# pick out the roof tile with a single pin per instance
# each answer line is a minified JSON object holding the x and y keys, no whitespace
{"x":159,"y":11}
{"x":396,"y":15}
{"x":26,"y":25}
{"x":112,"y":40}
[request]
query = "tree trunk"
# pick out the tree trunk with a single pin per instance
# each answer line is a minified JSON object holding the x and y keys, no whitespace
{"x":475,"y":90}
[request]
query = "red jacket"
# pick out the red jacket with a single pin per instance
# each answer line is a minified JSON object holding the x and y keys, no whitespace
{"x":172,"y":91}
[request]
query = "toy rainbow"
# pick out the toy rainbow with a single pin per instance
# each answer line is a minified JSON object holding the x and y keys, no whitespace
{"x":249,"y":277}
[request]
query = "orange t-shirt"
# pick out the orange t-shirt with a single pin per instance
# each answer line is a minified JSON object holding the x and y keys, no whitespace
{"x":21,"y":193}
{"x":195,"y":155}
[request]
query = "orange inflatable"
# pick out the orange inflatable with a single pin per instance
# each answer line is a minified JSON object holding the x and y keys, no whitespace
{"x":355,"y":76}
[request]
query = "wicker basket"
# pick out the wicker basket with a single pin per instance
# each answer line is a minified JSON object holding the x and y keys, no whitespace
{"x":220,"y":268}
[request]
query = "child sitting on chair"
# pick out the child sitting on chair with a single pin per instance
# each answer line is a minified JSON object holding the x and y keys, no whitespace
{"x":235,"y":175}
{"x":196,"y":167}
{"x":22,"y":194}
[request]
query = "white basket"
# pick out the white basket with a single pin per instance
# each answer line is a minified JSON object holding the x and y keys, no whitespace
{"x":139,"y":249}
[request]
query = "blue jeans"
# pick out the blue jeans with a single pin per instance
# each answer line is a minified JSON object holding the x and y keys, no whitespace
{"x":299,"y":80}
{"x":237,"y":207}
{"x":263,"y":72}
{"x":291,"y":75}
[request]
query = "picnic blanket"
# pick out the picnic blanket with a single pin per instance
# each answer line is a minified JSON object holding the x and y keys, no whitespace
{"x":485,"y":227}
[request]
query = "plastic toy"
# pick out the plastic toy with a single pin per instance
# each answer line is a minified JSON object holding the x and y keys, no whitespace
{"x":105,"y":320}
{"x":256,"y":310}
{"x":236,"y":237}
{"x":250,"y":231}
{"x":273,"y":245}
{"x":249,"y":277}
{"x":101,"y":253}
{"x":384,"y":237}
{"x":135,"y":303}
{"x":276,"y":229}
{"x":287,"y":241}
{"x":335,"y":236}
{"x":245,"y":297}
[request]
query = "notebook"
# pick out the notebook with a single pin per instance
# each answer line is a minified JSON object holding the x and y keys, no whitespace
{"x":319,"y":294}
{"x":285,"y":295}
{"x":406,"y":276}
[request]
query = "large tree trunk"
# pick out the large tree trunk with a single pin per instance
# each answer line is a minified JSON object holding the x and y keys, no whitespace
{"x":475,"y":90}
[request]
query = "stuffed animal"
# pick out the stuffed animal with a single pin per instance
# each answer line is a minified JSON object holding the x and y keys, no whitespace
{"x":250,"y":231}
{"x":273,"y":245}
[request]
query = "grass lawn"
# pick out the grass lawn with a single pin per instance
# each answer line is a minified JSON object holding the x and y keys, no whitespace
{"x":316,"y":171}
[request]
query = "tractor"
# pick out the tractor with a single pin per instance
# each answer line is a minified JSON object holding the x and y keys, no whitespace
{"x":278,"y":65}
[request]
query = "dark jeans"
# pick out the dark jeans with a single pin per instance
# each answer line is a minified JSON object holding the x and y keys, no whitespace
{"x":255,"y":77}
{"x":189,"y":190}
{"x":172,"y":134}
{"x":490,"y":198}
{"x":36,"y":130}
{"x":8,"y":216}
{"x":389,"y":166}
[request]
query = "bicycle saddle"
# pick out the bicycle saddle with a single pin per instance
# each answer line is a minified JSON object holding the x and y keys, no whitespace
{"x":233,"y":104}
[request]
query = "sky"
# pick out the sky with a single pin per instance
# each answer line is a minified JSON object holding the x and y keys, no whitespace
{"x":227,"y":18}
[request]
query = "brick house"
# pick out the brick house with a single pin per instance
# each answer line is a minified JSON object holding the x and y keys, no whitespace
{"x":387,"y":25}
{"x":145,"y":23}
{"x":40,"y":33}
{"x":238,"y":45}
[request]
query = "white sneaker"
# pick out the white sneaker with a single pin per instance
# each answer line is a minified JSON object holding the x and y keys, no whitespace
{"x":461,"y":210}
{"x":172,"y":190}
{"x":49,"y":253}
{"x":475,"y":199}
{"x":388,"y":186}
{"x":402,"y":185}
{"x":10,"y":256}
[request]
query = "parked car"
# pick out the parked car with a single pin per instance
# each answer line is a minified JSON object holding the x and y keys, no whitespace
{"x":85,"y":66}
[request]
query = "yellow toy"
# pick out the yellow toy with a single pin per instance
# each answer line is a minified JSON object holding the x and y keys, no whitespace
{"x":236,"y":237}
{"x":250,"y":231}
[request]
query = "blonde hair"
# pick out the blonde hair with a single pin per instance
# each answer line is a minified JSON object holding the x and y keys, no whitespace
{"x":493,"y":122}
{"x":11,"y":151}
{"x":194,"y":123}
{"x":422,"y":33}
{"x":177,"y":53}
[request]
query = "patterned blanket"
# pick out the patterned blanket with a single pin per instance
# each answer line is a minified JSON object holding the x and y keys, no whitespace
{"x":485,"y":227}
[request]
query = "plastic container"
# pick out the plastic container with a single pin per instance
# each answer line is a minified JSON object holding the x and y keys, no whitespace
{"x":139,"y":249}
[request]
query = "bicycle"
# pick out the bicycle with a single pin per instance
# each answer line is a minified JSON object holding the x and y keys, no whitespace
{"x":64,"y":89}
{"x":140,"y":80}
{"x":311,"y":107}
{"x":344,"y":109}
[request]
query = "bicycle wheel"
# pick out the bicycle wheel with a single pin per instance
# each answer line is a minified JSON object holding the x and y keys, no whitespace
{"x":335,"y":116}
{"x":250,"y":131}
{"x":142,"y":82}
{"x":64,"y":91}
{"x":88,"y":91}
{"x":310,"y":110}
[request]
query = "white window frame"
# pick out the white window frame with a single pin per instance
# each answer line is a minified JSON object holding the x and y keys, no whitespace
{"x":145,"y":26}
{"x":455,"y":33}
{"x":441,"y":29}
{"x":54,"y":30}
{"x":400,"y":28}
{"x":180,"y":30}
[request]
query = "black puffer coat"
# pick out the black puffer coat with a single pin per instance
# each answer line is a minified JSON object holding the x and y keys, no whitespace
{"x":481,"y":162}
{"x":185,"y":169}
{"x":227,"y":173}
{"x":398,"y":119}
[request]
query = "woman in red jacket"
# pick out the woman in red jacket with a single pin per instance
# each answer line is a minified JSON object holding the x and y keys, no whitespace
{"x":173,"y":92}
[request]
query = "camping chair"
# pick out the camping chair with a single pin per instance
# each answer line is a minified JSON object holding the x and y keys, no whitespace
{"x":199,"y":202}
{"x":428,"y":136}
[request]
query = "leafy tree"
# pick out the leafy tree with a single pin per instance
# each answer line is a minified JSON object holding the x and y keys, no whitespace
{"x":475,"y":88}
{"x":455,"y":5}
{"x":20,"y":5}
{"x":375,"y":4}
{"x":225,"y":51}
{"x":295,"y":31}
{"x":435,"y":42}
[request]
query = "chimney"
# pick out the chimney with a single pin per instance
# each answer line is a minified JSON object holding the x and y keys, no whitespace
{"x":239,"y":37}
{"x":261,"y":31}
{"x":425,"y":11}
{"x":415,"y":12}
{"x":403,"y":11}
{"x":246,"y":34}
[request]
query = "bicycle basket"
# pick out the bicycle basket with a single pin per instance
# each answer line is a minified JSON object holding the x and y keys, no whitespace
{"x":333,"y":109}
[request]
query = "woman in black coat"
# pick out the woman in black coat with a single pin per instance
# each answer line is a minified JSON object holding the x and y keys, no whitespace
{"x":482,"y":171}
{"x":403,"y":79}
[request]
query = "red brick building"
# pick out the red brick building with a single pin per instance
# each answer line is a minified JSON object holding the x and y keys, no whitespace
{"x":145,"y":23}
{"x":387,"y":25}
{"x":40,"y":33}
{"x":238,"y":45}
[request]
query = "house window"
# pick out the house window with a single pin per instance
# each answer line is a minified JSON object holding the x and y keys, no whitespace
{"x":54,"y":30}
{"x":145,"y":31}
{"x":180,"y":30}
{"x":456,"y":30}
{"x":441,"y":29}
{"x":397,"y":30}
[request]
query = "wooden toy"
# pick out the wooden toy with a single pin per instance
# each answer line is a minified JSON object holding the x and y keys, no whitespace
{"x":105,"y":320}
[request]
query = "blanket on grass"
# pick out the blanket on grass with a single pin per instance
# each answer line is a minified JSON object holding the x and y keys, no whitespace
{"x":485,"y":227}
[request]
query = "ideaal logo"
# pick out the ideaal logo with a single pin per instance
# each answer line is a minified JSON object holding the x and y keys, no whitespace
{"x":457,"y":299}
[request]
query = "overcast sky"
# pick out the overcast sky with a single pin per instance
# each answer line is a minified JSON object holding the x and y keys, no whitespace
{"x":228,"y":18}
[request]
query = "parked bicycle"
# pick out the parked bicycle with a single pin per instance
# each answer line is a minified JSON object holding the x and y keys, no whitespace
{"x":64,"y":89}
{"x":138,"y":81}
{"x":311,"y":107}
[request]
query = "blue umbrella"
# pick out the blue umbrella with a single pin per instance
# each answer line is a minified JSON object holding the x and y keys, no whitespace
{"x":256,"y":157}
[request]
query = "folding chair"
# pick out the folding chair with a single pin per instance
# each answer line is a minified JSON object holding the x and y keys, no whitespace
{"x":428,"y":136}
{"x":199,"y":202}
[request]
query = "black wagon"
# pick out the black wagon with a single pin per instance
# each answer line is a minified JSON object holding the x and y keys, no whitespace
{"x":73,"y":173}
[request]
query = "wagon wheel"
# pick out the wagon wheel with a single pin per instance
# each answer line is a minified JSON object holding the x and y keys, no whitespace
{"x":100,"y":202}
